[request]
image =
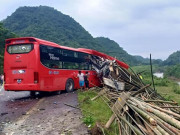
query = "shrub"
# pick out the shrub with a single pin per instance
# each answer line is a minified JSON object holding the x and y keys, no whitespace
{"x":176,"y":89}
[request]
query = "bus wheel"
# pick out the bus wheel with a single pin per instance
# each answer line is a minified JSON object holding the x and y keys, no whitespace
{"x":32,"y":93}
{"x":69,"y":85}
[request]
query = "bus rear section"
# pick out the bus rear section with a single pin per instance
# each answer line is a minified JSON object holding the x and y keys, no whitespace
{"x":20,"y":68}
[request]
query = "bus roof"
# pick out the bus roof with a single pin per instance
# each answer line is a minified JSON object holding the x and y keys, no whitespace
{"x":40,"y":41}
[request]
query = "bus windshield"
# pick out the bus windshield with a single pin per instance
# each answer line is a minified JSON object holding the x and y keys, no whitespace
{"x":20,"y":48}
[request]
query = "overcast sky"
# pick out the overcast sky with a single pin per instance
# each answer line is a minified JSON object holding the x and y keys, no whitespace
{"x":140,"y":27}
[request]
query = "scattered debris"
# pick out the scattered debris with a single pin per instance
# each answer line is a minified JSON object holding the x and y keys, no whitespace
{"x":77,"y":108}
{"x":24,"y":113}
{"x":42,"y":109}
{"x":97,"y":130}
{"x":4,"y":113}
{"x":55,"y":103}
{"x":138,"y":108}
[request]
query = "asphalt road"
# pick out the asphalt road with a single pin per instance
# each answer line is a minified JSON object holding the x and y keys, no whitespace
{"x":21,"y":114}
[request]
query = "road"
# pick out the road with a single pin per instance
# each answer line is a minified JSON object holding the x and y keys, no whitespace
{"x":21,"y":114}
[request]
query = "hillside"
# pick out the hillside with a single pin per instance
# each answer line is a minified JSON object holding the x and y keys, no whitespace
{"x":4,"y":34}
{"x":49,"y":24}
{"x":173,"y":59}
{"x":113,"y":49}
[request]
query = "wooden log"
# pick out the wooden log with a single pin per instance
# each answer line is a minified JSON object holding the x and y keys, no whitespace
{"x":110,"y":121}
{"x":141,"y":90}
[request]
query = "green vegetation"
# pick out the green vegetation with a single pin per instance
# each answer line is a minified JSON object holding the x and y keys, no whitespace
{"x":94,"y":111}
{"x":113,"y":49}
{"x":173,"y":71}
{"x":173,"y":59}
{"x":4,"y":34}
{"x":172,"y":64}
{"x":168,"y":92}
{"x":164,"y":86}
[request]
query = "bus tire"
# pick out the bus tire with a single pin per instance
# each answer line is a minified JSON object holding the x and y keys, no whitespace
{"x":32,"y":93}
{"x":69,"y":85}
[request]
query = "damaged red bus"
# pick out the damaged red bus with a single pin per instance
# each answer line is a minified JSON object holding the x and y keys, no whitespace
{"x":35,"y":65}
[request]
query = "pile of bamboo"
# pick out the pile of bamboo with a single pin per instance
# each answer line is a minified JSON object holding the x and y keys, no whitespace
{"x":138,"y":108}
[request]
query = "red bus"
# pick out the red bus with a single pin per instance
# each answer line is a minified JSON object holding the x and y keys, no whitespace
{"x":32,"y":64}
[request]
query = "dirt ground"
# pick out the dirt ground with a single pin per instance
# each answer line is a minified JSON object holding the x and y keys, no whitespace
{"x":22,"y":115}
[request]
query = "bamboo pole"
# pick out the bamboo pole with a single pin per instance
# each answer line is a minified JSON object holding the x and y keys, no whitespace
{"x":161,"y":115}
{"x":99,"y":94}
{"x":162,"y":124}
{"x":161,"y":101}
{"x":119,"y":127}
{"x":163,"y":132}
{"x":166,"y":111}
{"x":136,"y":130}
{"x":170,"y":106}
{"x":150,"y":132}
{"x":140,"y":124}
{"x":145,"y":115}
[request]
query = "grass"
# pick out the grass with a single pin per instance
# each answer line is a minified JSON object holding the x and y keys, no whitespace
{"x":165,"y":87}
{"x":169,"y":92}
{"x":100,"y":111}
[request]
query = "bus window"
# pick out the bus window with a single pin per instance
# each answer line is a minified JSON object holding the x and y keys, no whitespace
{"x":70,"y":65}
{"x":84,"y":66}
{"x":18,"y":49}
{"x":68,"y":53}
{"x":50,"y":56}
{"x":83,"y":55}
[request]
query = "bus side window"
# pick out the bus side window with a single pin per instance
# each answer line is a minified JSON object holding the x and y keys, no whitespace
{"x":70,"y":65}
{"x":84,"y":66}
{"x":68,"y":53}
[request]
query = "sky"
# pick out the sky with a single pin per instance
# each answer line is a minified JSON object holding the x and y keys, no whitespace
{"x":140,"y":27}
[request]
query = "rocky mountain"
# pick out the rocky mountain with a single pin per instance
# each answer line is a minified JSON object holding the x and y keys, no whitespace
{"x":49,"y":24}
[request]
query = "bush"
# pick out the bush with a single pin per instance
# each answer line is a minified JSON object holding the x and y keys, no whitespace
{"x":176,"y":89}
{"x":88,"y":120}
